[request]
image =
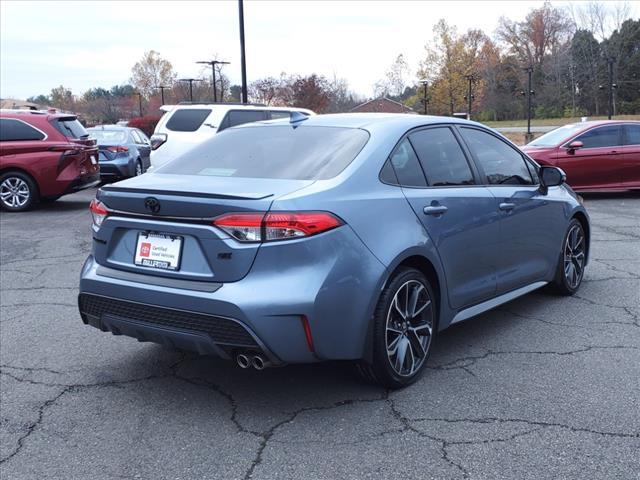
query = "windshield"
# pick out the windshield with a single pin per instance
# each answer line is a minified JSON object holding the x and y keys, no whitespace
{"x":283,"y":152}
{"x":108,"y":137}
{"x":557,"y":136}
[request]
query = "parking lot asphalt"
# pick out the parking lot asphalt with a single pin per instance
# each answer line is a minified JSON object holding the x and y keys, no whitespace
{"x":543,"y":387}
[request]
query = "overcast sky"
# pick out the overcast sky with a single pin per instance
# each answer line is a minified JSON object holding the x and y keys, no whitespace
{"x":95,"y":43}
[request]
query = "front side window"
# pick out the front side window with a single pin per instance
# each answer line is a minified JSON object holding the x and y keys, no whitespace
{"x":632,"y":134}
{"x":16,"y":131}
{"x":284,"y":152}
{"x":442,"y":159}
{"x":406,"y":166}
{"x":187,"y":119}
{"x":502,"y":164}
{"x":599,"y":137}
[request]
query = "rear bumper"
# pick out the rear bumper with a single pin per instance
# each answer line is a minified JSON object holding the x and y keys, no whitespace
{"x":83,"y":182}
{"x":119,"y":168}
{"x":332,"y":280}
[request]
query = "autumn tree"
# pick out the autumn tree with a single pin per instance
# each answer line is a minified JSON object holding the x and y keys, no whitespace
{"x":270,"y":90}
{"x":151,"y":71}
{"x":395,"y":79}
{"x":311,"y":92}
{"x":62,"y":98}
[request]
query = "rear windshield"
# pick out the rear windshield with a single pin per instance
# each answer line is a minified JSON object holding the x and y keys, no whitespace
{"x":284,"y":152}
{"x":557,"y":136}
{"x":108,"y":137}
{"x":70,"y":127}
{"x":187,"y":119}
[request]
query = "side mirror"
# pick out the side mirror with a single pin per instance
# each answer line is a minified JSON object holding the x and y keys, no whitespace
{"x":575,"y":145}
{"x":551,"y":177}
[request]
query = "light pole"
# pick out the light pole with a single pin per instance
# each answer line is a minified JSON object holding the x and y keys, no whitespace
{"x":139,"y":101}
{"x":610,"y":71}
{"x":213,"y":64}
{"x":190,"y":81}
{"x":425,"y":99}
{"x":243,"y":62}
{"x":530,"y":92}
{"x":469,"y":97}
{"x":162,"y":88}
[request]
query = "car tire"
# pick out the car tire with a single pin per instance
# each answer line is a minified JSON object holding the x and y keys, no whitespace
{"x":18,"y":191}
{"x":571,"y":263}
{"x":139,"y":170}
{"x":404,"y":328}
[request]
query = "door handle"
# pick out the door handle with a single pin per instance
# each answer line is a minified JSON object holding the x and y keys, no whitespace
{"x":435,"y":210}
{"x":507,"y":206}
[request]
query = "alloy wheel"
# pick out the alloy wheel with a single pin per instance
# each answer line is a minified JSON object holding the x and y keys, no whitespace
{"x":574,"y":256}
{"x":409,"y":328}
{"x":14,"y":192}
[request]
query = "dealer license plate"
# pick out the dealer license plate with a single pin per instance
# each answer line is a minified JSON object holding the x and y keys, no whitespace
{"x":158,"y":250}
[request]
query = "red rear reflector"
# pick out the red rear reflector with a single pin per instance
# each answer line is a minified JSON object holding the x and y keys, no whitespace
{"x":307,"y":333}
{"x":257,"y":227}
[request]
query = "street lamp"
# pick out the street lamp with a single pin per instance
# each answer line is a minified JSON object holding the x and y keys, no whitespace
{"x":469,"y":97}
{"x":162,"y":88}
{"x":190,"y":81}
{"x":530,"y":92}
{"x":425,"y":99}
{"x":139,"y":101}
{"x":213,"y":64}
{"x":243,"y":62}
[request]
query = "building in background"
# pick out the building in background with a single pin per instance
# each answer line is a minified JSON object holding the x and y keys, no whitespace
{"x":381,"y":105}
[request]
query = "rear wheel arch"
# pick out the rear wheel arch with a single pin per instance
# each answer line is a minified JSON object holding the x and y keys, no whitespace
{"x":23,"y":172}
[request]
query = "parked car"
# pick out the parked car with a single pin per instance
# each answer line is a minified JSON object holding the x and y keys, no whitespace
{"x":603,"y":155}
{"x":124,"y":151}
{"x":339,"y":237}
{"x":186,"y":125}
{"x":43,"y":156}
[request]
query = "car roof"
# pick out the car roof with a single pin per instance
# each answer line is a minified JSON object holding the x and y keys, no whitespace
{"x":111,"y":127}
{"x":597,"y":123}
{"x":223,"y":107}
{"x":371,"y":121}
{"x":20,"y":113}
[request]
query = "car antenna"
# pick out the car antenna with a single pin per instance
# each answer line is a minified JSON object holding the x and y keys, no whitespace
{"x":296,"y":118}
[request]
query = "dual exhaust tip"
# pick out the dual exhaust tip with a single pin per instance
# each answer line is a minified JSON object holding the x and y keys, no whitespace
{"x":256,"y":361}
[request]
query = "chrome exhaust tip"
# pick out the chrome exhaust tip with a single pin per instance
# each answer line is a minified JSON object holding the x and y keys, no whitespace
{"x":243,"y":361}
{"x":259,"y":362}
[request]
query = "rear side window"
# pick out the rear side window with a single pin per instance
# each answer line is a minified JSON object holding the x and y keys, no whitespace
{"x":406,"y":166}
{"x":302,"y":153}
{"x":70,"y":127}
{"x":275,"y":114}
{"x":608,"y":136}
{"x":501,"y":163}
{"x":16,"y":130}
{"x":632,"y":134}
{"x":442,"y":158}
{"x":240,"y":117}
{"x":187,"y":119}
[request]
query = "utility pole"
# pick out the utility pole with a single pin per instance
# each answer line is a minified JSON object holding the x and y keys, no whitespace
{"x":469,"y":96}
{"x":190,"y":81}
{"x":139,"y":102}
{"x":162,"y":88}
{"x":213,"y":64}
{"x":243,"y":62}
{"x":425,"y":99}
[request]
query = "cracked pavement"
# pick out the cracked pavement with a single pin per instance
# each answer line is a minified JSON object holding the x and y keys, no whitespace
{"x":542,"y":387}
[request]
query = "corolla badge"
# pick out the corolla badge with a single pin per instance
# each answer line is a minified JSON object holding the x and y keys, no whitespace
{"x":152,"y":204}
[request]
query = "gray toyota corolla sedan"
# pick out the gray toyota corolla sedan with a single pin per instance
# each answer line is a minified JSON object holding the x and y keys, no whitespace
{"x":335,"y":237}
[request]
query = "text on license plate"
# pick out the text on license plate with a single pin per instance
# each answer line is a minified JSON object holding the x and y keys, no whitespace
{"x":158,"y":250}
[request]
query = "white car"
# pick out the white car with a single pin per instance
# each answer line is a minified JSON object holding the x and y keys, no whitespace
{"x":184,"y":126}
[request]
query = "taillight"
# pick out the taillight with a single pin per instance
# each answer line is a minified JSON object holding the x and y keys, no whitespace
{"x":272,"y":226}
{"x":118,"y":149}
{"x":157,"y":140}
{"x":98,"y":212}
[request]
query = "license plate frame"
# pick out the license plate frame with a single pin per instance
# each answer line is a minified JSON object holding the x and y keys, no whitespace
{"x":157,"y":251}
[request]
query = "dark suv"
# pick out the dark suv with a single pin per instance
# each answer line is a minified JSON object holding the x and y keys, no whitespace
{"x":43,"y":155}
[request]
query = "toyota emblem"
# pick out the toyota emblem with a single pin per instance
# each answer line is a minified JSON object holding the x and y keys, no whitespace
{"x":152,"y":204}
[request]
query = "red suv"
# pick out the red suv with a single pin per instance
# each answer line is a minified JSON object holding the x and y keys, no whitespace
{"x":43,"y":156}
{"x":603,"y":155}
